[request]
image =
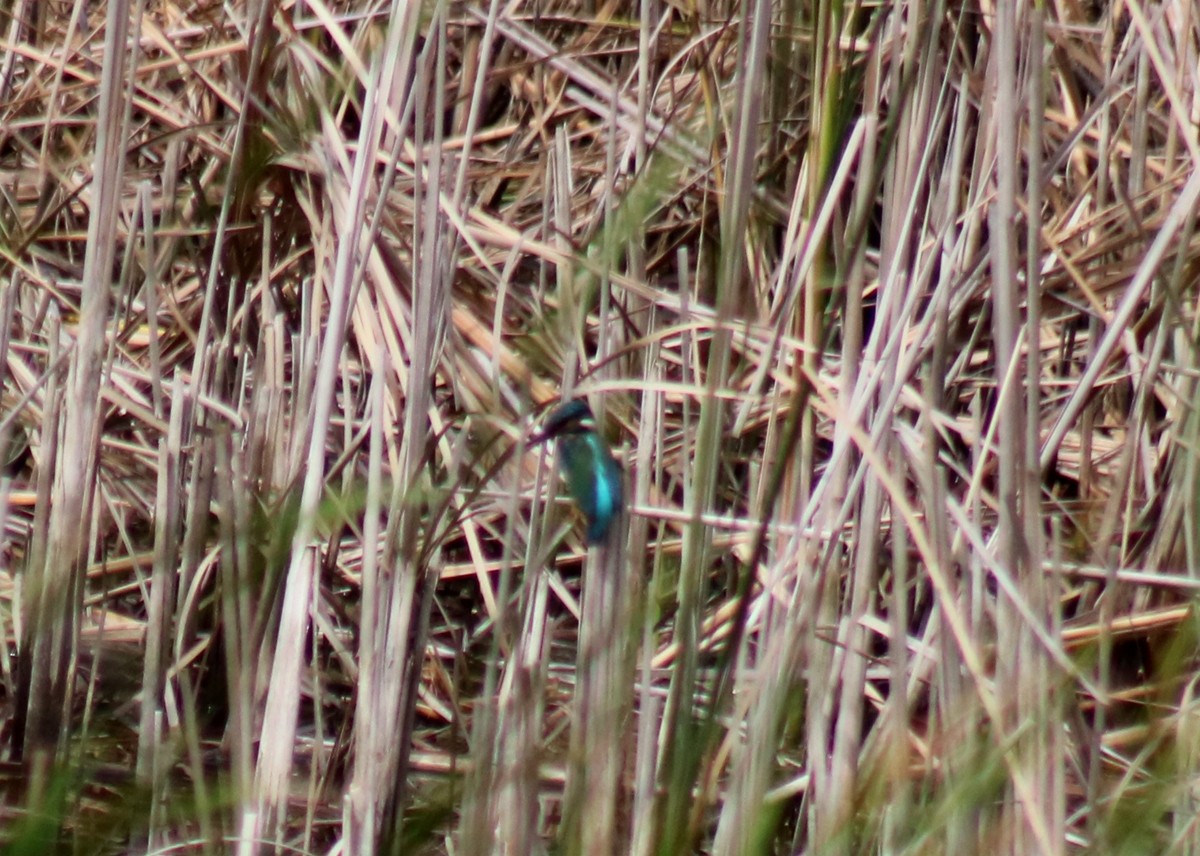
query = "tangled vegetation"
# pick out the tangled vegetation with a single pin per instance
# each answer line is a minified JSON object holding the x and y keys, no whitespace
{"x":888,"y":310}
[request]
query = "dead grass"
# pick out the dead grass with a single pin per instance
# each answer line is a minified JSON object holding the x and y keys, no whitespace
{"x":889,"y":311}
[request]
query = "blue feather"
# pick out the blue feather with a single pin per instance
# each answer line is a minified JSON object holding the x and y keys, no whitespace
{"x":587,"y":464}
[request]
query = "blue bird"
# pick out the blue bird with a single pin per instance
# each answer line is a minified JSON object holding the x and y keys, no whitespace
{"x":587,"y":465}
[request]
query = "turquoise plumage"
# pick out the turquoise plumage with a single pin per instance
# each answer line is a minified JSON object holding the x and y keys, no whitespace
{"x":587,"y":465}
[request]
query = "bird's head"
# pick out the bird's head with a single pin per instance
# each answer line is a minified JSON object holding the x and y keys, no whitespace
{"x":571,"y":417}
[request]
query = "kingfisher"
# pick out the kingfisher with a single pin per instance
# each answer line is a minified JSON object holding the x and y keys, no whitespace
{"x":587,"y":464}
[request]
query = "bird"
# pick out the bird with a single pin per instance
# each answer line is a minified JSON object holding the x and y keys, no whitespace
{"x":587,"y":465}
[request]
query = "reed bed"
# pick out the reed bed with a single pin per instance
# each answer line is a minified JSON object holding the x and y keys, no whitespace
{"x":888,"y":310}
